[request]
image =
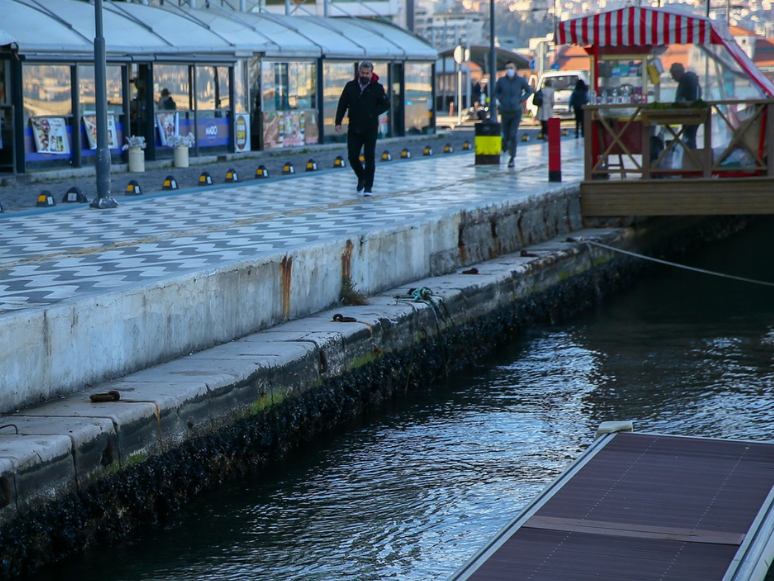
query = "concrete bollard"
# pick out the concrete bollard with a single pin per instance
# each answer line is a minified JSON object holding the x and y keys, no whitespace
{"x":75,"y":196}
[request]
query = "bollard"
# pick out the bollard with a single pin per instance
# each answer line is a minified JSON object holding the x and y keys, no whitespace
{"x":448,"y":148}
{"x":170,"y":183}
{"x":261,"y":172}
{"x":75,"y":196}
{"x":405,"y":154}
{"x":554,"y":150}
{"x":427,"y":150}
{"x":288,"y":168}
{"x":489,"y":143}
{"x":133,"y":189}
{"x":311,"y":165}
{"x":45,"y":200}
{"x":524,"y":137}
{"x":339,"y":162}
{"x":205,"y":179}
{"x":466,"y":145}
{"x":386,"y":156}
{"x":231,"y":176}
{"x":361,"y":158}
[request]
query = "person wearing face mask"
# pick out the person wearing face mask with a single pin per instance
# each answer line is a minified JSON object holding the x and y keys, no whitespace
{"x":365,"y":99}
{"x":511,"y":91}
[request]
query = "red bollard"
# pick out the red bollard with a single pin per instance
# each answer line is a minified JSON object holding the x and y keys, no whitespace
{"x":554,"y":150}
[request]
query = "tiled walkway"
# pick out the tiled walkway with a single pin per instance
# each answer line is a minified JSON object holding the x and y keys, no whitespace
{"x":52,"y":256}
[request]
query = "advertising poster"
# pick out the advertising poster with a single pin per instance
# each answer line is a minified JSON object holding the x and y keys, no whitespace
{"x":241,"y":133}
{"x":168,"y":126}
{"x":290,"y":128}
{"x":90,"y":123}
{"x":50,"y":134}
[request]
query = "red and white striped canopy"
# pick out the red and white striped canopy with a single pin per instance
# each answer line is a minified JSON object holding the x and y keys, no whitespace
{"x":635,"y":26}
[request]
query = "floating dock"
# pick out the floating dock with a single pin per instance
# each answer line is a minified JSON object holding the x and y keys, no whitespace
{"x":644,"y":507}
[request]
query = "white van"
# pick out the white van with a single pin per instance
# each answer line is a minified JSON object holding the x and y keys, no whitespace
{"x":564,"y":83}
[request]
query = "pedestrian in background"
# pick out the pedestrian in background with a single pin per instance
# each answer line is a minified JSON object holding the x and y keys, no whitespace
{"x":546,"y":108}
{"x":364,"y":98}
{"x":579,"y":98}
{"x":511,"y":91}
{"x":688,"y":90}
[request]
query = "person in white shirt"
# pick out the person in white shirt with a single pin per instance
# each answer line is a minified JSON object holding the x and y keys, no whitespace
{"x":546,"y":110}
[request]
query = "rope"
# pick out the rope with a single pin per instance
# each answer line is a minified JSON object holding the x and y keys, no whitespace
{"x":683,"y":266}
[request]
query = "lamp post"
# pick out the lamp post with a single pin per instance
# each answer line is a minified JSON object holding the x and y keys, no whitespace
{"x":102,"y":161}
{"x":492,"y":63}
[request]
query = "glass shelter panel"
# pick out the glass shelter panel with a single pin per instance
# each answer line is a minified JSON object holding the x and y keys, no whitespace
{"x":289,"y":104}
{"x":175,"y":80}
{"x":212,"y":88}
{"x":88,"y":110}
{"x":47,"y":90}
{"x":336,"y":74}
{"x":419,"y":97}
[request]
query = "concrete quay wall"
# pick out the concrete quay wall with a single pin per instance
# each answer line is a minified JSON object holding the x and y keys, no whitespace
{"x":74,"y":473}
{"x":57,"y":350}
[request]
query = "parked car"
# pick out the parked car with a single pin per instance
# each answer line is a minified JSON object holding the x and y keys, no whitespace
{"x":564,"y":83}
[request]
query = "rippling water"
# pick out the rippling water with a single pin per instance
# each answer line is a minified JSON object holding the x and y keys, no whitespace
{"x":413,"y":492}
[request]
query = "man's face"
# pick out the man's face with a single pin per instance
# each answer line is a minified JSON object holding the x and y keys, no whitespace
{"x":366,"y":73}
{"x":676,"y":74}
{"x":510,"y":68}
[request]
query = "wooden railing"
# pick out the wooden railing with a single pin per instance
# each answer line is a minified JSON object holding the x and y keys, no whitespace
{"x":634,"y":141}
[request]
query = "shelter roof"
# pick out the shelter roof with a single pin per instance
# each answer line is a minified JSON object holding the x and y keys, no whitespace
{"x":57,"y":28}
{"x":479,"y":54}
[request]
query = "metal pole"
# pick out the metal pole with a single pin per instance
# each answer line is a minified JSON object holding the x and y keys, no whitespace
{"x":102,"y":160}
{"x":492,"y":64}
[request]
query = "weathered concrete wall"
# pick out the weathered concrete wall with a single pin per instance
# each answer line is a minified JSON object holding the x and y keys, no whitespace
{"x":59,"y":349}
{"x":78,"y":470}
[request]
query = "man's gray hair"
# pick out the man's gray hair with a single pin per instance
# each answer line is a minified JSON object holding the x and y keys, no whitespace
{"x":368,"y":64}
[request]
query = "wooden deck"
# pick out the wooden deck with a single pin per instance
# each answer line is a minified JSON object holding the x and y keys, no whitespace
{"x":678,"y":197}
{"x":645,"y":507}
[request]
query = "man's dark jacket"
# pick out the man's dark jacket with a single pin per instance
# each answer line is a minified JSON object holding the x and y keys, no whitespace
{"x":364,"y":106}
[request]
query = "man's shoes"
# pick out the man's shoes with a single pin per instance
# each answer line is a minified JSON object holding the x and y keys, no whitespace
{"x":510,"y":162}
{"x":360,"y":186}
{"x":367,"y":194}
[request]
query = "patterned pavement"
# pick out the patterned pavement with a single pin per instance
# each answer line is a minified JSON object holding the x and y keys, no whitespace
{"x":54,"y":255}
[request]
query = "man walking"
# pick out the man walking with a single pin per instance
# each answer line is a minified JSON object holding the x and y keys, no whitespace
{"x":688,"y":90}
{"x":511,"y":91}
{"x":365,"y":99}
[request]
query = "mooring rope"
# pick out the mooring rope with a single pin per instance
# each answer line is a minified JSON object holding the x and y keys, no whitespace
{"x":683,"y":266}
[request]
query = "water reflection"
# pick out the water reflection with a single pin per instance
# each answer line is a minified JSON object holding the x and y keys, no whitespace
{"x":411,"y":493}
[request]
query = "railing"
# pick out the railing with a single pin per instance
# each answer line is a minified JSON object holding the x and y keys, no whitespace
{"x":725,"y":139}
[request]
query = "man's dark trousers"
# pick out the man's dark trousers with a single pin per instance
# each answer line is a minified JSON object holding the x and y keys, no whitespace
{"x":367,"y":141}
{"x":510,"y":122}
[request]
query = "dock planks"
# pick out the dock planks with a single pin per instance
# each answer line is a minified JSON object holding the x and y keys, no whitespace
{"x":688,"y":197}
{"x":643,"y":507}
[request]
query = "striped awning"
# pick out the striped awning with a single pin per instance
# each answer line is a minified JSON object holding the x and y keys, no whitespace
{"x":637,"y":27}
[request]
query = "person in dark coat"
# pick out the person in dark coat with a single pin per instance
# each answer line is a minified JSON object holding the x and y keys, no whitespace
{"x":365,"y":99}
{"x":579,"y":98}
{"x":511,"y":92}
{"x":688,"y":90}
